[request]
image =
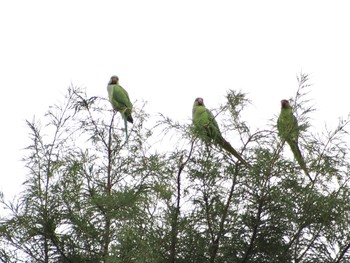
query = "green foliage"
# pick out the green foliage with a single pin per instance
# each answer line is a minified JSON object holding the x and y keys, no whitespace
{"x":90,"y":197}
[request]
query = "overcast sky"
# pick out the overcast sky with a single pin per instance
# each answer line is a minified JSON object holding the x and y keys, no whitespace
{"x":168,"y":53}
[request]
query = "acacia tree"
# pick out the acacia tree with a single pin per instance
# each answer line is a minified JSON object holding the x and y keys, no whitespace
{"x":91,"y":197}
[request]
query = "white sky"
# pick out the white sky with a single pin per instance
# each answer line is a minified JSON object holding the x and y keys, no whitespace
{"x":168,"y":53}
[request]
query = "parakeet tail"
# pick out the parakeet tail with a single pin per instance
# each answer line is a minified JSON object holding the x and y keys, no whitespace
{"x":299,"y":157}
{"x":127,"y":118}
{"x":227,"y":146}
{"x":126,"y":130}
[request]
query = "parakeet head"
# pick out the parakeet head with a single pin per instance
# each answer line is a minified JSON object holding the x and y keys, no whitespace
{"x":285,"y":104}
{"x":199,"y":102}
{"x":114,"y":80}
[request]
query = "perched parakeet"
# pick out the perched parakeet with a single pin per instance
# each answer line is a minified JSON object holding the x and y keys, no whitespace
{"x":208,"y":130}
{"x":288,"y":130}
{"x":120,"y":101}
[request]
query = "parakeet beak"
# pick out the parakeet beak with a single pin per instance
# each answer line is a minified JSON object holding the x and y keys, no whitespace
{"x":200,"y":101}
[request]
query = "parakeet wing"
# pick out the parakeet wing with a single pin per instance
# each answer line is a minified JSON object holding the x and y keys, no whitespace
{"x":120,"y":98}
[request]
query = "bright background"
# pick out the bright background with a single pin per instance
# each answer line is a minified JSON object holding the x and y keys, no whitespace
{"x":168,"y":53}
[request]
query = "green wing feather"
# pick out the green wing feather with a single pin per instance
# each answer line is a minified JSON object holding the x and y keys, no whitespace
{"x":208,"y":129}
{"x":120,"y":100}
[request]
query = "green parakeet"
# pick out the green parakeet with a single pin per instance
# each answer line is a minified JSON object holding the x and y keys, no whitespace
{"x":288,"y":130}
{"x":208,"y":130}
{"x":120,"y":101}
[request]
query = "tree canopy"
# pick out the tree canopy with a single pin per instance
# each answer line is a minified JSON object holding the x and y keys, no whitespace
{"x":90,"y":196}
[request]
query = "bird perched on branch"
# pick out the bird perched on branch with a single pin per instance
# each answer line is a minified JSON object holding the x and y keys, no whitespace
{"x":288,"y":130}
{"x":120,"y":101}
{"x":208,"y":130}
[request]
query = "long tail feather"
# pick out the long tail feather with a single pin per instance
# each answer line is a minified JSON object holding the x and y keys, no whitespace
{"x":126,"y":130}
{"x":227,"y":146}
{"x":299,"y":157}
